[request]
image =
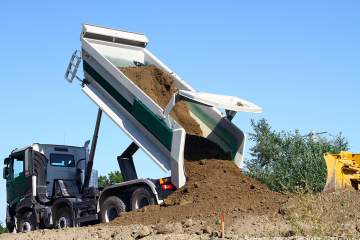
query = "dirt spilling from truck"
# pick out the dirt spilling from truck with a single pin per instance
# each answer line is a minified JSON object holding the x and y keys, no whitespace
{"x":214,"y":184}
{"x":160,"y":86}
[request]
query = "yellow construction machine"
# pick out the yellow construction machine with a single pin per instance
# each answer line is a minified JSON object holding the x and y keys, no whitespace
{"x":343,"y":171}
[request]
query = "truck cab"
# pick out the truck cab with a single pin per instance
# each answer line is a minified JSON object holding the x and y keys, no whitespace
{"x":38,"y":178}
{"x":46,"y":188}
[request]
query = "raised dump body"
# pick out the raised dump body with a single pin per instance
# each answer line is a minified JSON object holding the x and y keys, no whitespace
{"x":104,"y":51}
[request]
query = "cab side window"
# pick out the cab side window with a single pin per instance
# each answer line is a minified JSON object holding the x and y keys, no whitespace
{"x":18,"y":167}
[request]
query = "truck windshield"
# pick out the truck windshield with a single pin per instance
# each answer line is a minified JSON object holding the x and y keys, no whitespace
{"x":62,"y":160}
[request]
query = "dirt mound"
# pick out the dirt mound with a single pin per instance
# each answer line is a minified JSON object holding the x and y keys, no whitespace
{"x":159,"y":86}
{"x":213,"y":186}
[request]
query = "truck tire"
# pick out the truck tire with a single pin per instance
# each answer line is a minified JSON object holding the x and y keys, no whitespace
{"x":26,"y":222}
{"x":63,"y":218}
{"x":111,"y":209}
{"x":141,"y":197}
{"x":10,"y":220}
{"x":10,"y":227}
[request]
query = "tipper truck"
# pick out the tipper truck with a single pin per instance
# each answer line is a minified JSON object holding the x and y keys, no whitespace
{"x":50,"y":185}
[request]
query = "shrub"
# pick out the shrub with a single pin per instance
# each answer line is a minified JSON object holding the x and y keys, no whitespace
{"x":289,"y":161}
{"x":111,"y":178}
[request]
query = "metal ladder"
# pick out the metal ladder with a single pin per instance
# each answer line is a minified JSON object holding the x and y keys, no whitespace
{"x":73,"y":66}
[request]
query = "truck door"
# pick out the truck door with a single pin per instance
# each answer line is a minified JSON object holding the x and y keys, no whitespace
{"x":17,"y":184}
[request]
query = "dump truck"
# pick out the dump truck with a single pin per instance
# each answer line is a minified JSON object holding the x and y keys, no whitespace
{"x":50,"y":185}
{"x":42,"y":183}
{"x":343,"y":171}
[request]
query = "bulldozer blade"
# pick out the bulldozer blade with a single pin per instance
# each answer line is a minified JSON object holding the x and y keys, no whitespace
{"x":342,"y":171}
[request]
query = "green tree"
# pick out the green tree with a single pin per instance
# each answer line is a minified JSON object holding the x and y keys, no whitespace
{"x":289,"y":161}
{"x":111,"y":178}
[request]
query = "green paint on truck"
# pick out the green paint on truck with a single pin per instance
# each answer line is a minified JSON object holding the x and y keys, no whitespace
{"x":156,"y":126}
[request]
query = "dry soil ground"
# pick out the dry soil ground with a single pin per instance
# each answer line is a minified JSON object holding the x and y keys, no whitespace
{"x":321,"y":216}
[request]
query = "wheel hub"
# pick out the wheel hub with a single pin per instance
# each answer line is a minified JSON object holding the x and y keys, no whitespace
{"x":111,"y":214}
{"x":63,"y":222}
{"x":26,"y":227}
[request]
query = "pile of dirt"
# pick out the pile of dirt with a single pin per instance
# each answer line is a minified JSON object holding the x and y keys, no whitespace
{"x":160,"y":86}
{"x":213,"y":186}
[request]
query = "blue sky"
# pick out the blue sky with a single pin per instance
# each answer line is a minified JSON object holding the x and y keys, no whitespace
{"x":299,"y":60}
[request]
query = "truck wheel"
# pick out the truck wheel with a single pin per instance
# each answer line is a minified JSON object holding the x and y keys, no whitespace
{"x":111,"y":209}
{"x":63,"y":218}
{"x":141,"y":197}
{"x":26,"y":222}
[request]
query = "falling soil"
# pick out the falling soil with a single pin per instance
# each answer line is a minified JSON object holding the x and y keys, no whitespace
{"x":214,"y":185}
{"x":160,"y":86}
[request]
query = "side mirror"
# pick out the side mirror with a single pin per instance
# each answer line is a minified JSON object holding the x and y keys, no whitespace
{"x":7,"y":161}
{"x":6,"y":172}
